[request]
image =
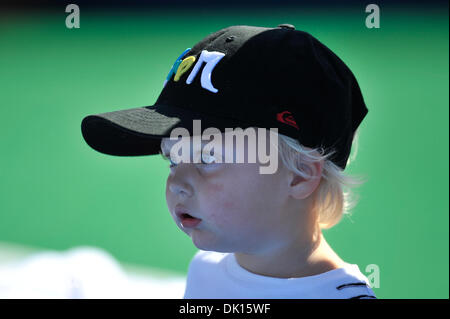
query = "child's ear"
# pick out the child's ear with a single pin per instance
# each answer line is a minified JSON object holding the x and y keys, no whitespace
{"x":301,"y":187}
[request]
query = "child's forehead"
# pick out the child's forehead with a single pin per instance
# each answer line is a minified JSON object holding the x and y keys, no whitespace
{"x":223,"y":142}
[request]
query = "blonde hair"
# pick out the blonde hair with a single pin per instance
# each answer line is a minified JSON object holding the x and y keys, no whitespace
{"x":334,"y":196}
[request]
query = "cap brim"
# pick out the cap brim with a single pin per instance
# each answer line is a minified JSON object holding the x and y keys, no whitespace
{"x":138,"y":131}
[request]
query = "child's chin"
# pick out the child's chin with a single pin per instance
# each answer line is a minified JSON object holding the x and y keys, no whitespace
{"x":208,"y":244}
{"x":202,"y":241}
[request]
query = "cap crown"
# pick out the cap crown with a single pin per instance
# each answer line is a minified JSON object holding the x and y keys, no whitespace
{"x":273,"y":78}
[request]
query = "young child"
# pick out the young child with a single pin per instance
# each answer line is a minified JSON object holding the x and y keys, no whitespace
{"x":258,"y":232}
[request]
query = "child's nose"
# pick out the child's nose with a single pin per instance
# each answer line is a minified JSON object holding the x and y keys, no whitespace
{"x":179,"y":187}
{"x":179,"y":190}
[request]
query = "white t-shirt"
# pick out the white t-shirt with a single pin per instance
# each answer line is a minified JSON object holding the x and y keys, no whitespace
{"x":214,"y":275}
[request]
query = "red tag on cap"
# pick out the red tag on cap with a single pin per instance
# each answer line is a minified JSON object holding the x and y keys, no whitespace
{"x":287,"y":118}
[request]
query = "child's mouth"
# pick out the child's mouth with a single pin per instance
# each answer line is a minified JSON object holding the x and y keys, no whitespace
{"x":188,"y":221}
{"x":185,"y":218}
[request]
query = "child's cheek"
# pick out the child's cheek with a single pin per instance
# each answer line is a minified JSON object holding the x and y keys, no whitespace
{"x":214,"y":189}
{"x":221,"y":205}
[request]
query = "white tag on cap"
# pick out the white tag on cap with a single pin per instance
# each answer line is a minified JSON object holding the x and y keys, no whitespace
{"x":211,"y":59}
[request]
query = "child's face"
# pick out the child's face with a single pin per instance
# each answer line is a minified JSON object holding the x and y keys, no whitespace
{"x":240,"y":209}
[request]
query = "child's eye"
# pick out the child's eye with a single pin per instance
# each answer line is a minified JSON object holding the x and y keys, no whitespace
{"x":208,"y":159}
{"x":172,"y":164}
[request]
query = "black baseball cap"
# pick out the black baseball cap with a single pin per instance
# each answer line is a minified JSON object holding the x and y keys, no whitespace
{"x":244,"y":76}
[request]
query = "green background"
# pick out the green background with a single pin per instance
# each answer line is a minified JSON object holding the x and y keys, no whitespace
{"x":57,"y":193}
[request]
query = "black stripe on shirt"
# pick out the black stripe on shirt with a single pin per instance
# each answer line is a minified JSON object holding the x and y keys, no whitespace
{"x":363,"y":297}
{"x":351,"y":285}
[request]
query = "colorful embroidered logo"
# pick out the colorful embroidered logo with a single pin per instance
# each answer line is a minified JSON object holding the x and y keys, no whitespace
{"x":287,"y":118}
{"x":181,"y":66}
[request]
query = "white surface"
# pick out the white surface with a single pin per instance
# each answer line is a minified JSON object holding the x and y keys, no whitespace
{"x":80,"y":272}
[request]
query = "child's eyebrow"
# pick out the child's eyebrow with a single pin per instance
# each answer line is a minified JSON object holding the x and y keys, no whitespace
{"x":165,"y":153}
